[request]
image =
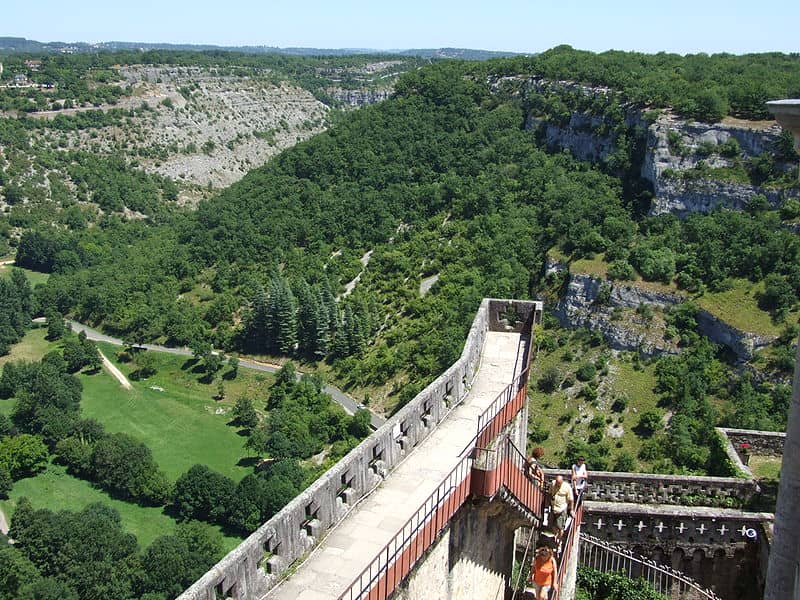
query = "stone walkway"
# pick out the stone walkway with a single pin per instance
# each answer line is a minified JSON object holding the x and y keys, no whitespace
{"x":352,"y":545}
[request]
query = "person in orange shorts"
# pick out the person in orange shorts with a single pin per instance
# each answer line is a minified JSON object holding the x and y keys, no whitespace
{"x":544,"y":573}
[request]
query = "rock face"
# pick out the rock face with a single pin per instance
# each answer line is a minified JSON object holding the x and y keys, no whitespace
{"x":681,"y":196}
{"x":626,"y":330}
{"x":579,"y":136}
{"x":358,"y":98}
{"x":672,"y":146}
{"x":579,"y":307}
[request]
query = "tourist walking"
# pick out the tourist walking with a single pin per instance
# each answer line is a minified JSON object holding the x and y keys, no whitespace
{"x":532,"y":469}
{"x":562,"y":503}
{"x":544,"y":574}
{"x":580,"y":476}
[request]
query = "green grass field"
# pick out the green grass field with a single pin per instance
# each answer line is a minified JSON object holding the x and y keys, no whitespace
{"x":183,"y":424}
{"x":32,"y":347}
{"x":33,"y":276}
{"x":55,"y":489}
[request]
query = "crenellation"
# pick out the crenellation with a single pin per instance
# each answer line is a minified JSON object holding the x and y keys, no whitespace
{"x":645,"y":488}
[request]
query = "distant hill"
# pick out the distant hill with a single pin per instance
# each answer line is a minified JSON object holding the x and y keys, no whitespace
{"x":10,"y":45}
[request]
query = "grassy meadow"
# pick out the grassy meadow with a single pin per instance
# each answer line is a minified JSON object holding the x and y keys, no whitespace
{"x":565,"y":413}
{"x":173,"y":412}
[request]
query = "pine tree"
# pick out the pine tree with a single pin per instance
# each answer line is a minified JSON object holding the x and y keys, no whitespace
{"x":287,"y":320}
{"x":306,"y":318}
{"x":257,"y":324}
{"x":322,"y":321}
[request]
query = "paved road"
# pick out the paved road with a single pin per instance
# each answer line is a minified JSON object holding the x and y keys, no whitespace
{"x":346,"y":402}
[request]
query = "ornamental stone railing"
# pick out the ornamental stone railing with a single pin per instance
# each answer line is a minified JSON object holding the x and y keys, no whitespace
{"x":257,"y":564}
{"x":647,"y":488}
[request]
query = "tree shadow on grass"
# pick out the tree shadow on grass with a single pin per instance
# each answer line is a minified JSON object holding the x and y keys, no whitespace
{"x":248,"y":461}
{"x":189,"y":363}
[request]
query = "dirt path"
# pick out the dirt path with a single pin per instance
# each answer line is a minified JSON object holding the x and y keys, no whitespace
{"x":3,"y":523}
{"x":123,"y":381}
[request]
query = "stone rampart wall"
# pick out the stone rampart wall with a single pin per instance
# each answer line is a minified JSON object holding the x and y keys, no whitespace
{"x":646,"y":488}
{"x":761,"y":443}
{"x":721,"y":549}
{"x":254,"y":567}
{"x":670,"y":527}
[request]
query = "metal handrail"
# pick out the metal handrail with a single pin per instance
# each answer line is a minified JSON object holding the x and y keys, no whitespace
{"x":492,"y":420}
{"x":398,"y":556}
{"x":568,"y":545}
{"x":614,"y":558}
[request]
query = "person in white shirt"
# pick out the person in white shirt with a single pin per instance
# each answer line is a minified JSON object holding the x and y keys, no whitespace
{"x":562,"y":505}
{"x":580,"y":475}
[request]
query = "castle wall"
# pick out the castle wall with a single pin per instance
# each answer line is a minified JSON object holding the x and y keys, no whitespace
{"x":721,"y":549}
{"x":646,"y":488}
{"x":255,"y":566}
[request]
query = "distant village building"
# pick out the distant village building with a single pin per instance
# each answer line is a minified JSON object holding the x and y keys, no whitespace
{"x":33,"y":65}
{"x":20,"y":79}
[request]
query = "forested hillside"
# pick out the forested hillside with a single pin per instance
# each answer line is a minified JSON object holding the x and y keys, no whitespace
{"x":365,"y":250}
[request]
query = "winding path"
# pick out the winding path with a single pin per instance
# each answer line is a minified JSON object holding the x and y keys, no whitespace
{"x":346,"y":402}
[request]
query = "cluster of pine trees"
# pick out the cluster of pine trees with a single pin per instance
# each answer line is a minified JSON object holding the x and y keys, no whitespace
{"x":306,"y":322}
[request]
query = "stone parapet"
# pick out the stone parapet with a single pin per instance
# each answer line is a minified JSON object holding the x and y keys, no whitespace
{"x":649,"y":489}
{"x":761,"y":443}
{"x":672,"y":526}
{"x":256,"y":565}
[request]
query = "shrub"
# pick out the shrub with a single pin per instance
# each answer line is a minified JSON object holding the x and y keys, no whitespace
{"x":790,"y":209}
{"x":586,"y":372}
{"x":730,"y":148}
{"x":597,"y":422}
{"x":625,"y":462}
{"x":537,"y":433}
{"x":652,"y":449}
{"x":650,"y":422}
{"x":621,"y":269}
{"x":549,"y":380}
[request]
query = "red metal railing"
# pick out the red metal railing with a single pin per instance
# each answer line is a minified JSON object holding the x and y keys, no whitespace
{"x":398,"y":557}
{"x":568,"y":545}
{"x":508,"y":471}
{"x":502,"y":410}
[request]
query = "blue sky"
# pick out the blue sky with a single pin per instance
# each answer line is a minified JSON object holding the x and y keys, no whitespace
{"x":515,"y":25}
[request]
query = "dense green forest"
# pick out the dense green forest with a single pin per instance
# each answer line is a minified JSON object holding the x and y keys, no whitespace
{"x":701,"y":86}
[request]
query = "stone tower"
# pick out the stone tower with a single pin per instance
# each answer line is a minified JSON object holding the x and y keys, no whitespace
{"x":783,"y":575}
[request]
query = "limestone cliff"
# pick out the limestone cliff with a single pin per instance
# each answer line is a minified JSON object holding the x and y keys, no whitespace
{"x":675,"y":146}
{"x":611,"y":308}
{"x":671,"y":147}
{"x":360,"y":97}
